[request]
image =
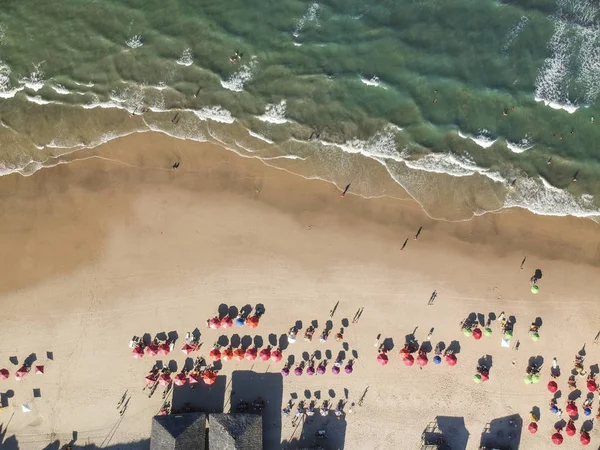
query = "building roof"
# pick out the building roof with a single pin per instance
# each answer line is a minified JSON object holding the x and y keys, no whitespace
{"x":179,"y":432}
{"x":237,"y":431}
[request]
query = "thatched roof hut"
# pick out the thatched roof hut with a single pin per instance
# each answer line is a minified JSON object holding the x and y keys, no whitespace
{"x":235,"y":431}
{"x":179,"y":432}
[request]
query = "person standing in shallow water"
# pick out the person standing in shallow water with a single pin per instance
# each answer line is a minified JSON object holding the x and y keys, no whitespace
{"x":346,"y":190}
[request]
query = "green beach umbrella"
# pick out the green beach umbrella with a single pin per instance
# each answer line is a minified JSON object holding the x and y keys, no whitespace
{"x":535,"y":337}
{"x":528,"y":379}
{"x":477,"y":378}
{"x":467,"y":332}
{"x":487,"y":331}
{"x":508,"y":334}
{"x":535,"y":378}
{"x":535,"y":289}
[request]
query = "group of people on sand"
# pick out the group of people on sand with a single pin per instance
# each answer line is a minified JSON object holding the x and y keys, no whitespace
{"x":309,"y":411}
{"x":310,"y":331}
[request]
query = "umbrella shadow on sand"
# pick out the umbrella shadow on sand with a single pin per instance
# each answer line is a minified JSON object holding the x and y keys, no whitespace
{"x":388,"y":344}
{"x":574,"y":395}
{"x":223,"y":310}
{"x":485,"y":361}
{"x":454,"y":347}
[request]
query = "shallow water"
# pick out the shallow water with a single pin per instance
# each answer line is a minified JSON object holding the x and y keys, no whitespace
{"x":419,"y":88}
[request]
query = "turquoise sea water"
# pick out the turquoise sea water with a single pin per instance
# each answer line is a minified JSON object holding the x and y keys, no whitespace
{"x":463,"y":103}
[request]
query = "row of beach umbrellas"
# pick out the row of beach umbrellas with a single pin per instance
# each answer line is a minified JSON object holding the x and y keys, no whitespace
{"x":240,"y":354}
{"x":19,"y":374}
{"x":228,"y":322}
{"x":182,"y":378}
{"x":320,"y":370}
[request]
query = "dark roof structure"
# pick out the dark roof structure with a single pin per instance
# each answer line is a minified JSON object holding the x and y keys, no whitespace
{"x":179,"y":432}
{"x":235,"y":431}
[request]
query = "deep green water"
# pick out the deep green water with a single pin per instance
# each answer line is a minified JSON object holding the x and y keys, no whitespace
{"x":419,"y":86}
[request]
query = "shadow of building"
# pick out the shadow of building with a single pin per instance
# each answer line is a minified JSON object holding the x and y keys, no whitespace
{"x":200,"y":397}
{"x":334,"y":428}
{"x":503,"y":433}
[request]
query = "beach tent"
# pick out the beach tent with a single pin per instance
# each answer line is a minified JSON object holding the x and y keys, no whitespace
{"x":138,"y":352}
{"x":251,"y":354}
{"x":591,"y":385}
{"x":180,"y":379}
{"x":570,"y":429}
{"x":382,"y":359}
{"x":487,"y":331}
{"x":26,"y":407}
{"x":409,"y":360}
{"x":239,"y":354}
{"x":39,"y":370}
{"x":252,"y":322}
{"x":348,"y":369}
{"x":214,"y":354}
{"x":298,"y":371}
{"x":4,"y":374}
{"x":164,"y":379}
{"x":227,"y":354}
{"x":571,"y":410}
{"x":533,"y":427}
{"x":214,"y":323}
{"x":152,"y":350}
{"x":451,"y":359}
{"x":584,"y":438}
{"x":557,"y":438}
{"x":187,"y":349}
{"x":226,"y":322}
{"x":209,"y":377}
{"x":193,"y":377}
{"x":164,"y":349}
{"x":477,"y":334}
{"x":265,"y":354}
{"x":240,"y":321}
{"x":285,"y":371}
{"x":422,"y":360}
{"x":552,"y":386}
{"x":276,"y":355}
{"x":150,"y":379}
{"x":505,"y":343}
{"x":437,"y":359}
{"x":535,"y":289}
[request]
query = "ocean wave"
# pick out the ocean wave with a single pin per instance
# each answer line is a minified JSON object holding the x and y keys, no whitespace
{"x":60,"y":89}
{"x":260,"y":136}
{"x":519,"y":147}
{"x":483,"y":138}
{"x":186,"y":58}
{"x":237,"y":80}
{"x":215,"y":113}
{"x":35,"y":80}
{"x":312,"y":15}
{"x":375,"y":81}
{"x":275,"y":113}
{"x":381,"y":145}
{"x":451,"y":164}
{"x":134,"y":41}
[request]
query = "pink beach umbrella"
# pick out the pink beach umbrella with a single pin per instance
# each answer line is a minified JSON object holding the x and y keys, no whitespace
{"x":298,"y":371}
{"x":39,"y":370}
{"x":164,"y":379}
{"x":187,"y":349}
{"x":422,"y":360}
{"x":557,"y":439}
{"x":239,"y":354}
{"x":532,"y":427}
{"x":265,"y":354}
{"x":310,"y":371}
{"x":215,"y":354}
{"x":276,"y":355}
{"x":150,"y":379}
{"x":451,"y":359}
{"x":477,"y":334}
{"x":227,"y":354}
{"x":251,"y":354}
{"x":571,"y":410}
{"x":4,"y":374}
{"x":193,"y":377}
{"x":591,"y":385}
{"x":335,"y":370}
{"x":138,"y":352}
{"x":570,"y":429}
{"x":409,"y":360}
{"x":285,"y":371}
{"x":321,"y":369}
{"x":21,"y":373}
{"x":164,"y":349}
{"x":180,"y":379}
{"x":226,"y":322}
{"x":584,"y":438}
{"x":209,"y":377}
{"x":152,"y":350}
{"x":214,"y":323}
{"x":348,"y":369}
{"x":382,"y":359}
{"x":552,"y":386}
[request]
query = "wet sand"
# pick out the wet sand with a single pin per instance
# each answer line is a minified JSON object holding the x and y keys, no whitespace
{"x":118,"y":244}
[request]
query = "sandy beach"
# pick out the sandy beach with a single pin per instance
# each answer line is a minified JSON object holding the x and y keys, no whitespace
{"x":117,"y":243}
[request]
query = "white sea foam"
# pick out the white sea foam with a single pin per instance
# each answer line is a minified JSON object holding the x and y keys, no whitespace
{"x":186,"y":58}
{"x":237,"y":80}
{"x":215,"y":113}
{"x":6,"y":91}
{"x":521,"y":146}
{"x":59,"y":89}
{"x":482,"y":138}
{"x":375,"y":81}
{"x":260,"y":136}
{"x":39,"y":100}
{"x":283,"y":157}
{"x":90,"y":84}
{"x":135,"y":41}
{"x":35,"y":80}
{"x":513,"y":33}
{"x":381,"y":145}
{"x":297,"y":44}
{"x":312,"y":15}
{"x":275,"y":113}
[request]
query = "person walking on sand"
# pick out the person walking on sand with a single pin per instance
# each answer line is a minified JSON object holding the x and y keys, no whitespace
{"x":404,"y":245}
{"x":418,"y":233}
{"x":346,"y":190}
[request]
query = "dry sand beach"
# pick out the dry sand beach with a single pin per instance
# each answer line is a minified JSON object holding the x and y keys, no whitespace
{"x":117,"y":244}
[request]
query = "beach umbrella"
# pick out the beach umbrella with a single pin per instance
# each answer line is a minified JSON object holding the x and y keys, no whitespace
{"x":310,"y":371}
{"x":451,"y":359}
{"x":487,"y":331}
{"x":291,"y":338}
{"x":276,"y":355}
{"x":164,"y":379}
{"x":164,"y":349}
{"x":240,"y":322}
{"x":193,"y":377}
{"x":4,"y":374}
{"x":554,"y":409}
{"x":382,"y":359}
{"x":265,"y":354}
{"x":21,"y":373}
{"x":584,"y":438}
{"x":298,"y":371}
{"x":570,"y":429}
{"x":214,"y":354}
{"x":508,"y":334}
{"x":152,"y":350}
{"x":180,"y":379}
{"x":477,"y":378}
{"x":422,"y":360}
{"x":226,"y":322}
{"x":321,"y":369}
{"x":587,"y":411}
{"x":571,"y":410}
{"x":227,"y":354}
{"x":528,"y":379}
{"x":485,"y":376}
{"x":209,"y":377}
{"x":533,"y":427}
{"x":404,"y":352}
{"x":535,"y":378}
{"x":252,"y":322}
{"x":557,"y":438}
{"x":477,"y":334}
{"x":214,"y":323}
{"x":535,"y":289}
{"x":348,"y":369}
{"x":187,"y":349}
{"x":138,"y":352}
{"x":437,"y":359}
{"x":535,"y":337}
{"x":285,"y":371}
{"x":552,"y":386}
{"x":335,"y":370}
{"x":150,"y":379}
{"x":467,"y":332}
{"x":251,"y":354}
{"x":591,"y":385}
{"x":39,"y":370}
{"x":26,"y":407}
{"x":239,"y":354}
{"x":409,"y":360}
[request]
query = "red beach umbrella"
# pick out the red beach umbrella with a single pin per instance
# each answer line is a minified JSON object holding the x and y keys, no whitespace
{"x":265,"y":354}
{"x":39,"y":370}
{"x":557,"y":438}
{"x":552,"y":386}
{"x":451,"y":359}
{"x":187,"y":349}
{"x":227,"y":354}
{"x":422,"y":360}
{"x":252,"y":322}
{"x":382,"y":359}
{"x":209,"y":377}
{"x":477,"y":334}
{"x":226,"y":322}
{"x":570,"y":429}
{"x":404,"y":352}
{"x":164,"y":349}
{"x":164,"y":379}
{"x":239,"y":354}
{"x":193,"y":377}
{"x":150,"y":379}
{"x":485,"y":376}
{"x":21,"y":373}
{"x":152,"y":350}
{"x":276,"y":355}
{"x":214,"y":323}
{"x":571,"y":410}
{"x":4,"y":374}
{"x":591,"y":385}
{"x":180,"y":379}
{"x":533,"y":427}
{"x":251,"y":354}
{"x":409,"y":360}
{"x":585,"y":439}
{"x":215,"y":354}
{"x":138,"y":352}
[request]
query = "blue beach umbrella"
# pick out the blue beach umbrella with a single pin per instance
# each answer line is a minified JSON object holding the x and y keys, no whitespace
{"x":239,"y":322}
{"x":554,"y":409}
{"x":587,"y":412}
{"x":437,"y":359}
